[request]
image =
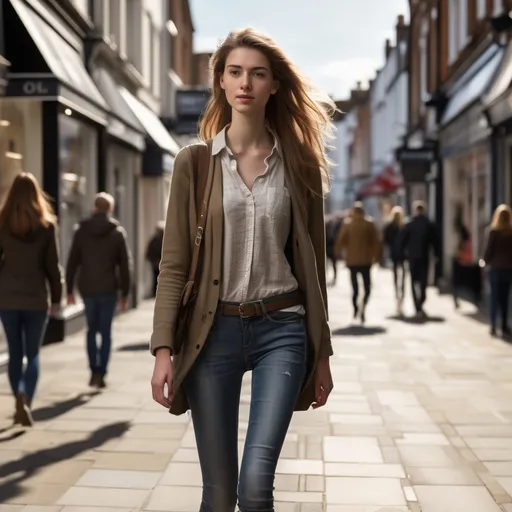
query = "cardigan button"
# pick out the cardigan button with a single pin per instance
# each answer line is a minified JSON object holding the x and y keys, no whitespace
{"x":215,"y":282}
{"x":198,"y":346}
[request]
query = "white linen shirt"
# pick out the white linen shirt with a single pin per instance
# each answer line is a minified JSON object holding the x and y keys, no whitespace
{"x":256,"y":228}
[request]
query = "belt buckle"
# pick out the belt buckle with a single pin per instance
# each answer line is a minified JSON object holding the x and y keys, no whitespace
{"x":252,"y":302}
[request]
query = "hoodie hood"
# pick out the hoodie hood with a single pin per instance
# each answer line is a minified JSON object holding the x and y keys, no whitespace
{"x":99,"y":224}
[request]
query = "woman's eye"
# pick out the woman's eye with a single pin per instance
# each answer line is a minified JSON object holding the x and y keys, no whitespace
{"x":234,"y":72}
{"x":259,"y":74}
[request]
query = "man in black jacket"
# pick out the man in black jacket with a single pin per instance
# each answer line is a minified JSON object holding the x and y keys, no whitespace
{"x":100,"y":255}
{"x":419,"y":238}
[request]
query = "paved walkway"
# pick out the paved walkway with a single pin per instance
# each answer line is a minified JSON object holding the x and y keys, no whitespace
{"x":420,"y":420}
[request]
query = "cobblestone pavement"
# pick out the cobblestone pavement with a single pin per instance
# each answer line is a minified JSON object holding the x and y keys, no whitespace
{"x":420,"y":419}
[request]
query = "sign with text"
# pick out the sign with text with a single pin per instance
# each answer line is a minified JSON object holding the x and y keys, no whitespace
{"x":190,"y":103}
{"x":32,"y":87}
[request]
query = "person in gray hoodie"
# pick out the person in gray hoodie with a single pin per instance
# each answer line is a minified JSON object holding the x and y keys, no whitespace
{"x":100,"y":255}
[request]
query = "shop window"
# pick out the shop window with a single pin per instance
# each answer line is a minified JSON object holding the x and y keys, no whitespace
{"x":77,"y":155}
{"x":12,"y":149}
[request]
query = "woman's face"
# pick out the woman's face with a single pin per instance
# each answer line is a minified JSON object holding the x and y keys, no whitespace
{"x":247,"y":80}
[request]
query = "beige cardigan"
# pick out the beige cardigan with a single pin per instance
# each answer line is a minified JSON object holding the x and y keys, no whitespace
{"x":308,"y":265}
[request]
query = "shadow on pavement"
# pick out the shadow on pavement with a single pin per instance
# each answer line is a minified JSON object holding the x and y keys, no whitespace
{"x":53,"y":411}
{"x":419,"y":321}
{"x":135,"y":347}
{"x":30,"y":464}
{"x":4,"y":437}
{"x":359,"y":330}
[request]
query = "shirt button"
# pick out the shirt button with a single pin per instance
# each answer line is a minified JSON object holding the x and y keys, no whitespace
{"x":215,"y":282}
{"x":198,"y":346}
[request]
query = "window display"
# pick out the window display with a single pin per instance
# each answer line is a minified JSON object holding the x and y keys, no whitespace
{"x":78,"y":162}
{"x":11,"y":144}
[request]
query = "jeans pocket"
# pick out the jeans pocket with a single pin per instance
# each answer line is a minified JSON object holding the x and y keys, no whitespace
{"x":285,"y":317}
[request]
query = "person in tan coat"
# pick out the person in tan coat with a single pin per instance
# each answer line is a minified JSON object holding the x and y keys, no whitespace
{"x":261,"y":304}
{"x":359,"y":242}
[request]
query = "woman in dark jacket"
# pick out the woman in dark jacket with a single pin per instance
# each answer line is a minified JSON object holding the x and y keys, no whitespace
{"x":498,"y":257}
{"x":391,"y":238}
{"x":29,"y":262}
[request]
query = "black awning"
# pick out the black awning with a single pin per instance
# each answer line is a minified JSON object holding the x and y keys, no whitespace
{"x":46,"y":65}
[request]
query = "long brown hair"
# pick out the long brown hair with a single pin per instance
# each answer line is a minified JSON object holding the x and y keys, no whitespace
{"x":397,"y":216}
{"x":298,"y":113}
{"x":502,"y":218}
{"x":26,"y":207}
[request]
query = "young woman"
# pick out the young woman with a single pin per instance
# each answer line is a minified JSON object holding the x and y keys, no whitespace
{"x":29,"y":261}
{"x":262,"y":301}
{"x":498,"y":257}
{"x":391,"y":236}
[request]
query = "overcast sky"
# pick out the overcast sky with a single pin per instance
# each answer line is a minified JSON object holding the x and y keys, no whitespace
{"x":335,"y":42}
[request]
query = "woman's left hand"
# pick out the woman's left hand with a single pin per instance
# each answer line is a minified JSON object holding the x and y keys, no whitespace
{"x":323,"y":382}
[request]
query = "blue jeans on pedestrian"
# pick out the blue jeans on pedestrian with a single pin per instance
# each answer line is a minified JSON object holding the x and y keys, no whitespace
{"x":99,"y":312}
{"x":25,"y":331}
{"x":274,"y":348}
{"x":501,"y":282}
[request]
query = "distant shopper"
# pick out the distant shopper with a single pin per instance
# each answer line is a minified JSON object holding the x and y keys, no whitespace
{"x":498,"y":257}
{"x":29,"y":265}
{"x":418,"y":241}
{"x":391,"y":237}
{"x":360,"y":243}
{"x":333,"y":225}
{"x":100,"y":255}
{"x":154,"y":253}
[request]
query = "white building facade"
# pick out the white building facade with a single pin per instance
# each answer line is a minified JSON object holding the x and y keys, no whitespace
{"x":389,"y":118}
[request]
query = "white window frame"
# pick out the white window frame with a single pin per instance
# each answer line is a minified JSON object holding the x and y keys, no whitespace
{"x":424,"y":61}
{"x":458,"y":28}
{"x":463,"y":24}
{"x":147,"y":46}
{"x":481,"y":9}
{"x":453,"y":31}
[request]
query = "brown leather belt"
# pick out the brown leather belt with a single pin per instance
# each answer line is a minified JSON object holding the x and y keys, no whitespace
{"x":260,"y":307}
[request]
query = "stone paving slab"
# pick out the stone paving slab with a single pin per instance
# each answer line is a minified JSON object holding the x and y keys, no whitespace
{"x":420,"y":420}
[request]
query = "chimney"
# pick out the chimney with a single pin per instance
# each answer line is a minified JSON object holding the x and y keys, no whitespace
{"x":388,"y":48}
{"x":402,"y":30}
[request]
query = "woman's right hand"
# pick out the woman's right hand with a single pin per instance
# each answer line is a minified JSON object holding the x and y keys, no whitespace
{"x":162,"y":374}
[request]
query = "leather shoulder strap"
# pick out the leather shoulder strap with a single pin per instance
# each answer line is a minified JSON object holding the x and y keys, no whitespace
{"x":201,"y":155}
{"x":201,"y":160}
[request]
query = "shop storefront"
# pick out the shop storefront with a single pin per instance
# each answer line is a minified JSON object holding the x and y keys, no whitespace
{"x":498,"y":108}
{"x":465,"y":147}
{"x":53,"y":117}
{"x":154,"y":184}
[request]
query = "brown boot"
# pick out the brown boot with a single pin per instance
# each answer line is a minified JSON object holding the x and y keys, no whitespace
{"x":23,"y":416}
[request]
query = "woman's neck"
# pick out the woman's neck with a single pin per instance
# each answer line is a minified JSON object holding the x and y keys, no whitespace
{"x":247,"y":133}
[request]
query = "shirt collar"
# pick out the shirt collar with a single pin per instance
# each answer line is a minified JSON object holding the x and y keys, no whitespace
{"x":219,"y":142}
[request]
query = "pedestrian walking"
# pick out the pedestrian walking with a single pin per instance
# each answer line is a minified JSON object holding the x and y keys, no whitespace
{"x":391,"y":238}
{"x":100,"y":256}
{"x":498,"y":257}
{"x":419,"y":239}
{"x":263,"y":268}
{"x":154,"y":252}
{"x":29,"y":266}
{"x":333,"y":224}
{"x":360,"y":243}
{"x":462,"y":262}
